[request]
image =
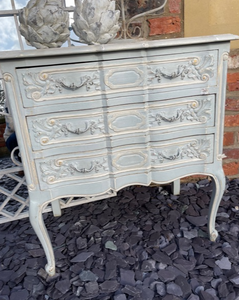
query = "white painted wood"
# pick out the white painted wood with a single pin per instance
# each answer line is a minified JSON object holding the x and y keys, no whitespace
{"x":176,"y":187}
{"x":92,"y":120}
{"x":56,"y":208}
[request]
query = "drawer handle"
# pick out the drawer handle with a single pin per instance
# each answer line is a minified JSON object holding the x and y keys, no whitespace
{"x":172,"y":157}
{"x":83,"y":170}
{"x":159,"y":117}
{"x":86,"y":81}
{"x":73,"y":86}
{"x":78,"y":130}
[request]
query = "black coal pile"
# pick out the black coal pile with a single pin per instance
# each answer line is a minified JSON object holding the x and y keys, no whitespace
{"x":145,"y":243}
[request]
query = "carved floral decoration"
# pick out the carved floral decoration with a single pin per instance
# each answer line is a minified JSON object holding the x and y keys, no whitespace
{"x":46,"y":129}
{"x":57,"y":170}
{"x":194,"y":69}
{"x":39,"y":85}
{"x":197,"y":111}
{"x":198,"y":149}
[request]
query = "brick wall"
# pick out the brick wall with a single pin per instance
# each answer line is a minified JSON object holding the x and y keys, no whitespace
{"x":231,"y":135}
{"x":170,"y":24}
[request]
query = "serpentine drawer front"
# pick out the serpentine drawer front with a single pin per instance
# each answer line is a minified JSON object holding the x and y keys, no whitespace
{"x":73,"y":167}
{"x":91,"y":120}
{"x":53,"y":130}
{"x":78,"y":82}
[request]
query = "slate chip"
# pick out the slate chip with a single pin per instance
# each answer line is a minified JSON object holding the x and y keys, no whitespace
{"x":197,"y":221}
{"x":182,"y":282}
{"x":161,"y":288}
{"x":88,"y":276}
{"x":224,"y":263}
{"x":21,"y":294}
{"x":82,"y":257}
{"x":63,"y":286}
{"x":120,"y":297}
{"x":166,"y":275}
{"x":174,"y":289}
{"x":159,"y":249}
{"x":132,"y":291}
{"x":127,"y":277}
{"x":109,"y":286}
{"x":162,"y":258}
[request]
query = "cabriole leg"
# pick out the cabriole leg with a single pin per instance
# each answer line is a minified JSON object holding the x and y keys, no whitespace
{"x":36,"y":219}
{"x":218,"y":181}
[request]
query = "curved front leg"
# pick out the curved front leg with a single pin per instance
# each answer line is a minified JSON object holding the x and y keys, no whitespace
{"x":36,"y":219}
{"x":217,"y":193}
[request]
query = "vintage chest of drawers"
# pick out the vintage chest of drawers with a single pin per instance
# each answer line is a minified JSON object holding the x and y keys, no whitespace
{"x":95,"y":119}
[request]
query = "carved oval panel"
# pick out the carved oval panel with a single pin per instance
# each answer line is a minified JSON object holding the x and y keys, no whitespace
{"x":130,"y":160}
{"x":124,"y":77}
{"x":126,"y":121}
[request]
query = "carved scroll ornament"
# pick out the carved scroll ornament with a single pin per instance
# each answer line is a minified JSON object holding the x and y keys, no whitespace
{"x":194,"y":69}
{"x":53,"y":170}
{"x":39,"y":85}
{"x":196,"y":111}
{"x":198,"y":149}
{"x":47,"y":130}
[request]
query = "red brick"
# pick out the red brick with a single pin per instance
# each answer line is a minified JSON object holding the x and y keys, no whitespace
{"x":232,"y":104}
{"x":232,"y":77}
{"x":228,"y":138}
{"x":233,"y":81}
{"x":230,"y":168}
{"x":231,"y":153}
{"x":164,"y":25}
{"x":232,"y":87}
{"x":231,"y":120}
{"x":174,"y":6}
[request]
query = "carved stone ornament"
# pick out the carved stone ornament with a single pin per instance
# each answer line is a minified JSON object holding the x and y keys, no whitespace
{"x":198,"y":149}
{"x":194,"y":69}
{"x":95,"y":21}
{"x":44,"y":24}
{"x":56,"y":170}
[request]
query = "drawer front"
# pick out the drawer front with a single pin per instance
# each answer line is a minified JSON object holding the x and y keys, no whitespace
{"x":54,"y":130}
{"x":74,"y":168}
{"x":70,"y":168}
{"x":183,"y":151}
{"x":182,"y":113}
{"x":58,"y":129}
{"x":183,"y":70}
{"x":84,"y":82}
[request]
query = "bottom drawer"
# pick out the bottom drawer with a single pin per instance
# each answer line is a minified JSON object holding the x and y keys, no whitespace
{"x":71,"y":168}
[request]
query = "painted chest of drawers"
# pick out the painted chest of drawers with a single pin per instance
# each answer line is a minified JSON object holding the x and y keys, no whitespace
{"x":94,"y":119}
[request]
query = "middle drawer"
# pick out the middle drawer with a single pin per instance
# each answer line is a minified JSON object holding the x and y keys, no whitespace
{"x":58,"y":129}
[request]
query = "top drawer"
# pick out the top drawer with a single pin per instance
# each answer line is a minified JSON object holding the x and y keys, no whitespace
{"x":58,"y":83}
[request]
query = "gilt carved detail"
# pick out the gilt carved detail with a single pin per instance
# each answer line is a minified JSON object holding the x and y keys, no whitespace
{"x":56,"y":170}
{"x":197,"y":149}
{"x":195,"y":69}
{"x":46,"y":130}
{"x":39,"y":85}
{"x":195,"y":111}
